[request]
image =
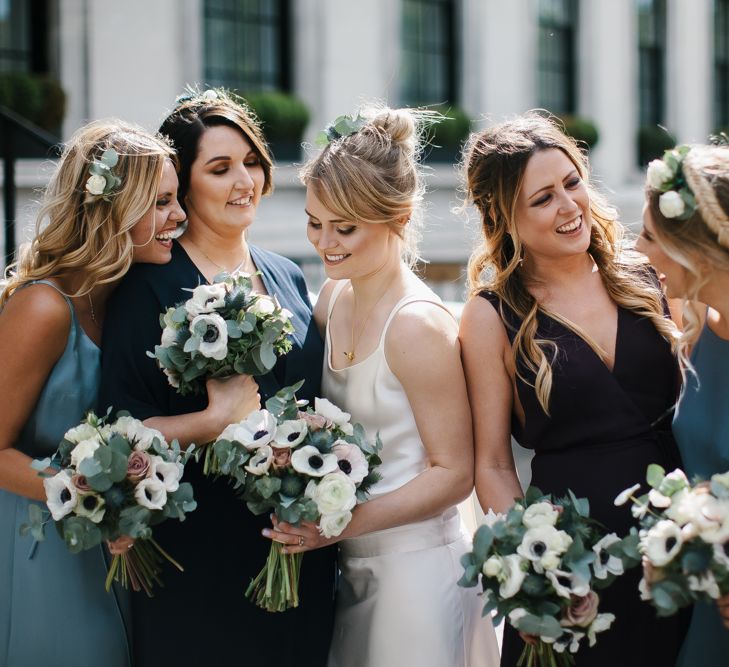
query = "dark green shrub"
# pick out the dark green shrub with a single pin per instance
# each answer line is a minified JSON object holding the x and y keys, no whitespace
{"x":39,"y":99}
{"x":446,"y":136}
{"x":653,"y":140}
{"x":582,"y":130}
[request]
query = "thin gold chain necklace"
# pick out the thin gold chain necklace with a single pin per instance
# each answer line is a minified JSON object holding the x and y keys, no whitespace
{"x":350,"y":355}
{"x":214,"y":263}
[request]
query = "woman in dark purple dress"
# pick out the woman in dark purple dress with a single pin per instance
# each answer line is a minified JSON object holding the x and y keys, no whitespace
{"x":566,"y":347}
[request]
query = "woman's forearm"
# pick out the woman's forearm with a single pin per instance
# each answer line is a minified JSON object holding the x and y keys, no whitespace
{"x":16,"y":475}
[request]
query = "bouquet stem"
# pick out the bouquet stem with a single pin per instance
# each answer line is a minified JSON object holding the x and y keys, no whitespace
{"x":543,"y":655}
{"x":140,"y":566}
{"x":276,"y":586}
{"x":210,"y":461}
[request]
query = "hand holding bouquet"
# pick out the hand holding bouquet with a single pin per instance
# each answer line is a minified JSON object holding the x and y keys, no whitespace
{"x":115,"y":480}
{"x":223,"y":329}
{"x":683,"y":537}
{"x":312,"y":465}
{"x":539,"y":565}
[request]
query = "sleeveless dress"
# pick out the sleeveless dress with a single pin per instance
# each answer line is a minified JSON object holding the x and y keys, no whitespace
{"x":702,"y":432}
{"x":604,"y":429}
{"x":220,"y":545}
{"x":53,"y":606}
{"x":397,"y":602}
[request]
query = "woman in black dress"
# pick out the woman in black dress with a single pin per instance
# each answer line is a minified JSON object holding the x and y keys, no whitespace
{"x":201,"y":616}
{"x":566,"y":347}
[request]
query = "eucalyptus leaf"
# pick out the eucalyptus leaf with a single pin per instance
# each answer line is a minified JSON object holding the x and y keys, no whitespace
{"x":655,"y":475}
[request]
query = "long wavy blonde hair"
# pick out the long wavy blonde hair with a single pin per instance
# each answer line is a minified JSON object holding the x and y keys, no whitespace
{"x":699,"y":244}
{"x":90,"y":236}
{"x":494,"y":164}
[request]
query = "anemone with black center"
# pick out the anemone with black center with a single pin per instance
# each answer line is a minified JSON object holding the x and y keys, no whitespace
{"x":260,"y":434}
{"x":345,"y":466}
{"x":670,"y":543}
{"x":89,"y":502}
{"x":564,"y":580}
{"x":316,"y":461}
{"x":148,"y":493}
{"x":604,"y":557}
{"x":65,"y":495}
{"x":539,"y":548}
{"x":293,"y":436}
{"x":211,"y":334}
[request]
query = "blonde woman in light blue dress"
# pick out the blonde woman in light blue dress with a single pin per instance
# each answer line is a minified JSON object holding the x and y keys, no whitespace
{"x":392,"y":361}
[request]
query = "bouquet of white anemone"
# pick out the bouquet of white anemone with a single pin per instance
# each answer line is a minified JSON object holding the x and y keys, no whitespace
{"x":683,"y":537}
{"x":223,"y":329}
{"x":538,"y":565}
{"x":114,"y":480}
{"x":311,"y":465}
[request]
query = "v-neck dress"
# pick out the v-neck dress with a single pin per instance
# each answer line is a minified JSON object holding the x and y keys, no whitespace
{"x":702,"y":431}
{"x":201,"y":616}
{"x":604,"y":428}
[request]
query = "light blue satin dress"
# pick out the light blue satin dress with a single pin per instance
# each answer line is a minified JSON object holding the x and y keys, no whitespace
{"x":54,"y":609}
{"x":701,"y":429}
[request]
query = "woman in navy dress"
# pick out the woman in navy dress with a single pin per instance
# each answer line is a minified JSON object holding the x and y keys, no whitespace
{"x":689,"y":247}
{"x":53,"y":606}
{"x":202,"y":616}
{"x":566,"y":347}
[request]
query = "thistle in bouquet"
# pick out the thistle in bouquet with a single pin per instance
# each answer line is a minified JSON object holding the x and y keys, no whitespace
{"x":540,"y":565}
{"x":301,"y":464}
{"x":114,"y":480}
{"x":683,"y":538}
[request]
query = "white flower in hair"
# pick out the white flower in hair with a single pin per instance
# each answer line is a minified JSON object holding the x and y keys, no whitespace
{"x":96,"y":184}
{"x":658,"y":173}
{"x":671,"y":204}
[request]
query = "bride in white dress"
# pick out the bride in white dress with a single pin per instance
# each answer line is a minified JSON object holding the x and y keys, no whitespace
{"x":392,"y":360}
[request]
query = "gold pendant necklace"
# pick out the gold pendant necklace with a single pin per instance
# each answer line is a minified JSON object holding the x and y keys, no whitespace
{"x":214,"y":263}
{"x":350,"y":355}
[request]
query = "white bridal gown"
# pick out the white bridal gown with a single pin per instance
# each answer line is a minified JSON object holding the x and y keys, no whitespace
{"x":398,"y":604}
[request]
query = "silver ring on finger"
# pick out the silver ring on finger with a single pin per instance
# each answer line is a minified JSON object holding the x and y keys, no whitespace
{"x":302,"y":541}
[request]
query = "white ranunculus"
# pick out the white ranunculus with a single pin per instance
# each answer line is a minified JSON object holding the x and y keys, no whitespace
{"x":512,"y":575}
{"x":91,"y":506}
{"x":550,"y":561}
{"x":714,"y":526}
{"x":567,"y":584}
{"x":492,"y":567}
{"x":263,"y":305}
{"x":662,"y":542}
{"x":144,"y":437}
{"x":658,"y":173}
{"x":61,"y":494}
{"x":671,"y":204}
{"x":84,"y":450}
{"x":151,"y":493}
{"x":169,"y":337}
{"x":81,"y":432}
{"x":601,"y":623}
{"x":351,"y":460}
{"x":168,"y":473}
{"x":540,"y":514}
{"x":706,"y":515}
{"x":96,"y":184}
{"x":543,"y":541}
{"x":260,"y":462}
{"x":624,"y":496}
{"x":706,"y":583}
{"x":214,"y":340}
{"x":125,"y":426}
{"x":258,"y":429}
{"x":331,"y":412}
{"x":604,"y":563}
{"x":205,"y":299}
{"x":657,"y":499}
{"x":335,"y":492}
{"x":310,"y":461}
{"x":290,"y":433}
{"x":332,"y":525}
{"x":209,"y":95}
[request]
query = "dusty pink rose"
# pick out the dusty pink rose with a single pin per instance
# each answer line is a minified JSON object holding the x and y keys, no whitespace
{"x":315,"y":422}
{"x":79,"y":481}
{"x":582,"y":610}
{"x":138,"y":466}
{"x":281,"y":457}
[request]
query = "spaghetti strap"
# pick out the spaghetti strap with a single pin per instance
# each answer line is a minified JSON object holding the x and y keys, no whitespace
{"x":406,"y":300}
{"x":58,"y":289}
{"x":333,"y":298}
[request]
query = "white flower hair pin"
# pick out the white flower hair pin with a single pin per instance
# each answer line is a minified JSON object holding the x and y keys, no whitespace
{"x":103,"y":181}
{"x":666,"y":176}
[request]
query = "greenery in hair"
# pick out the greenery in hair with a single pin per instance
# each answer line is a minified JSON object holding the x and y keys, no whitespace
{"x":103,"y":181}
{"x":343,"y":126}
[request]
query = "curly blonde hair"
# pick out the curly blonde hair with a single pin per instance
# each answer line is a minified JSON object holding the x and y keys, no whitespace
{"x":494,"y":164}
{"x":90,"y":236}
{"x":701,"y":239}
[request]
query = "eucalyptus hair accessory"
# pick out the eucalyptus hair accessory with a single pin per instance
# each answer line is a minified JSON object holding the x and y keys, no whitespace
{"x":194,"y":95}
{"x":667,"y":176}
{"x":343,"y":126}
{"x":103,"y":181}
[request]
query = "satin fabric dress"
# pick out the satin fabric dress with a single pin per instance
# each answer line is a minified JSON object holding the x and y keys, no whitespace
{"x":397,"y":602}
{"x":604,"y":428}
{"x":702,"y":432}
{"x":54,"y":609}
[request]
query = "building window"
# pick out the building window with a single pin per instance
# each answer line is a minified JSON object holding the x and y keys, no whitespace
{"x":556,"y":66}
{"x":651,"y":58}
{"x":721,"y":64}
{"x":23,"y":36}
{"x":247,"y":44}
{"x":428,"y":71}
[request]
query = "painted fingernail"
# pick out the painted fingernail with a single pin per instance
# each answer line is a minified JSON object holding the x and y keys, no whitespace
{"x":266,"y":532}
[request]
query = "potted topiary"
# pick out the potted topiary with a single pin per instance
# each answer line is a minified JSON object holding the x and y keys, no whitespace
{"x":284,"y":118}
{"x":446,"y":137}
{"x":653,"y":140}
{"x":582,"y":130}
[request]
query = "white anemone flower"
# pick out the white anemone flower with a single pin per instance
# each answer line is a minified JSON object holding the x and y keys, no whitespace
{"x":310,"y":461}
{"x":706,"y":583}
{"x":604,"y":562}
{"x":331,"y":412}
{"x":81,"y":432}
{"x":568,"y":640}
{"x":601,"y":623}
{"x":205,"y":299}
{"x":567,"y":584}
{"x":335,"y":492}
{"x":512,"y":575}
{"x":151,"y":493}
{"x":624,"y":496}
{"x":91,"y":505}
{"x":260,"y":462}
{"x":540,"y":514}
{"x":61,"y":495}
{"x":214,"y":338}
{"x":168,"y":473}
{"x":169,"y":337}
{"x":541,"y":544}
{"x":662,"y":542}
{"x":332,"y":525}
{"x":258,"y":429}
{"x":351,"y":460}
{"x":290,"y":433}
{"x":84,"y":450}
